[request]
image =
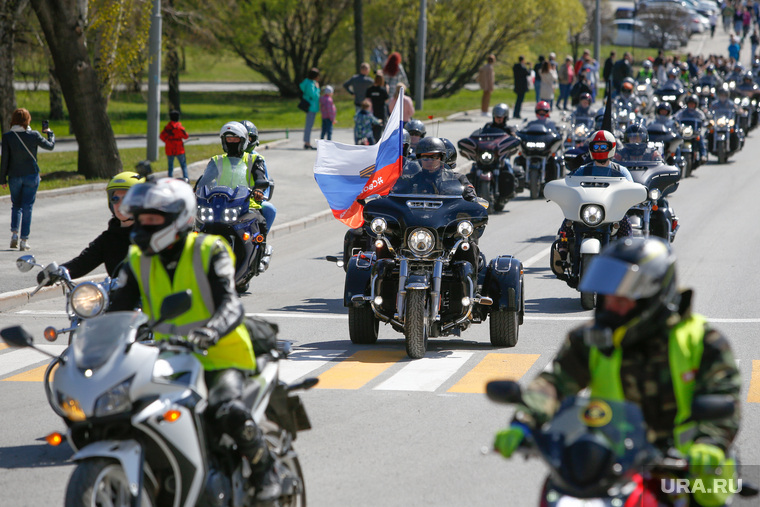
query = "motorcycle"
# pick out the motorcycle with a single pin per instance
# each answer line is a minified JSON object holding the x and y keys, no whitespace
{"x":494,"y":179}
{"x":724,"y":137}
{"x":598,"y":453}
{"x":135,"y":416}
{"x":654,"y":216}
{"x":84,"y":300}
{"x":225,"y":212}
{"x":627,"y":113}
{"x":425,"y":276}
{"x":645,"y":92}
{"x":706,"y":93}
{"x":691,"y":132}
{"x":672,"y":94}
{"x":594,"y":199}
{"x":540,"y":156}
{"x":578,"y":133}
{"x":669,"y":138}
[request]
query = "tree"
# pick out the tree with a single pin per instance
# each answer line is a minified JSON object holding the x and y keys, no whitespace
{"x":280,"y":39}
{"x":64,"y":22}
{"x":482,"y":28}
{"x":584,"y":33}
{"x":10,"y":13}
{"x":669,"y":21}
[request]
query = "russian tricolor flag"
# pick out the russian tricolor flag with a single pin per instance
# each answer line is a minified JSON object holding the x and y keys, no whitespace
{"x":346,"y":173}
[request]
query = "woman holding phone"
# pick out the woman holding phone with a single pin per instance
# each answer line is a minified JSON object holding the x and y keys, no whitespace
{"x":19,"y":169}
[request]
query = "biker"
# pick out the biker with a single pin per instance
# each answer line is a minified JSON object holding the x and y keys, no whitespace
{"x":583,"y":109}
{"x":431,"y":153}
{"x":737,"y":73}
{"x":663,"y":115}
{"x":692,"y":112}
{"x":626,"y":94}
{"x":542,"y":116}
{"x":685,"y":75}
{"x":748,"y":86}
{"x":602,"y":147}
{"x":645,"y":72}
{"x":722,"y":101}
{"x":166,"y":257}
{"x":451,"y":154}
{"x":499,"y":117}
{"x":111,"y":246}
{"x":238,"y":167}
{"x":710,"y":78}
{"x":647,"y":347}
{"x":267,"y":208}
{"x":673,"y":82}
{"x":416,"y":131}
{"x":636,"y":146}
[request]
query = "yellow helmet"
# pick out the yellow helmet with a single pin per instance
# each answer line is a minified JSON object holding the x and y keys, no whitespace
{"x":122,"y":181}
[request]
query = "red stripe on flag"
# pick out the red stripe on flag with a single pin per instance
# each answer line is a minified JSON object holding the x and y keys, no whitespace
{"x":382,"y":180}
{"x":352,"y":217}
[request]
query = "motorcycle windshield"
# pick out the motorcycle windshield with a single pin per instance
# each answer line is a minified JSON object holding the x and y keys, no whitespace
{"x":601,"y":186}
{"x":634,"y":157}
{"x":95,"y":340}
{"x":586,"y":121}
{"x":222,"y":204}
{"x":586,"y":430}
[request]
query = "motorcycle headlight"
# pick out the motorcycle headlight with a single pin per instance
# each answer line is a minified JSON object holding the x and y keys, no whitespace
{"x":88,"y":299}
{"x":421,"y":242}
{"x":205,"y":214}
{"x":642,"y":88}
{"x":486,"y":156}
{"x":712,"y":90}
{"x":378,"y":225}
{"x":722,"y":122}
{"x":465,"y":228}
{"x":592,"y":214}
{"x":539,"y":145}
{"x":654,"y":194}
{"x":668,"y":97}
{"x":231,"y":214}
{"x":737,"y":101}
{"x":632,"y":116}
{"x":580,"y":131}
{"x":115,"y":401}
{"x":688,"y":131}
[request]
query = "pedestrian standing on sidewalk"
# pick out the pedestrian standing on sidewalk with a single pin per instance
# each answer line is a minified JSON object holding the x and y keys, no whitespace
{"x":548,"y":82}
{"x":363,"y":122}
{"x":487,"y":82}
{"x":173,"y":136}
{"x":19,"y":170}
{"x":537,"y":76}
{"x":328,"y":110}
{"x":566,"y":76}
{"x":521,"y":74}
{"x":358,"y":84}
{"x":378,"y":94}
{"x":713,"y":22}
{"x":310,"y":89}
{"x":754,"y":41}
{"x":394,"y":73}
{"x":728,"y":15}
{"x":408,"y":104}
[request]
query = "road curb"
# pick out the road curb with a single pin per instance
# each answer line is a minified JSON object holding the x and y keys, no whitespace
{"x":16,"y":298}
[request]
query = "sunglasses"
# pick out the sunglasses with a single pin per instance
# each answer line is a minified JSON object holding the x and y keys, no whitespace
{"x":429,"y":158}
{"x":542,"y":113}
{"x":115,"y":199}
{"x":601,"y":147}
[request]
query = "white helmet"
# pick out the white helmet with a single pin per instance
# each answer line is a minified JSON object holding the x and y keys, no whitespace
{"x":171,"y":198}
{"x":237,"y":129}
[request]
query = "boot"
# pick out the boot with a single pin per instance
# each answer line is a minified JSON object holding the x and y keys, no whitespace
{"x":264,"y":477}
{"x":14,"y":240}
{"x":24,"y":245}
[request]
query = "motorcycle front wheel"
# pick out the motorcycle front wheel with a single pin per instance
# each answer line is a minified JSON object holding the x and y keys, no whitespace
{"x":535,"y":184}
{"x":588,"y":299}
{"x":289,"y":467}
{"x":416,"y":323}
{"x":102,"y":482}
{"x":362,"y":325}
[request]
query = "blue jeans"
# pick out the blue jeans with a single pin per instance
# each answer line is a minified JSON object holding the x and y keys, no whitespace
{"x":23,"y":193}
{"x":537,"y":87}
{"x":518,"y":104}
{"x":182,"y":164}
{"x":307,"y":128}
{"x":269,"y":212}
{"x":564,"y":94}
{"x":327,"y":126}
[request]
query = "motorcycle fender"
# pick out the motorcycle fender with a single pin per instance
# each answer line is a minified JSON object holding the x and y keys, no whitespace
{"x":590,"y":246}
{"x":485,"y":175}
{"x":720,"y":137}
{"x":357,"y":280}
{"x":503,"y":283}
{"x":128,"y":453}
{"x":418,"y":281}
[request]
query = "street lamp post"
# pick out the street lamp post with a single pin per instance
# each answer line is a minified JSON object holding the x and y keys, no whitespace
{"x":419,"y":77}
{"x":154,"y":82}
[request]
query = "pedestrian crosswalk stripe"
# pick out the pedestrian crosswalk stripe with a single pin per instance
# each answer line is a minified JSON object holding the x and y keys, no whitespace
{"x":355,"y":371}
{"x":494,"y":366}
{"x":753,"y":396}
{"x":302,"y":362}
{"x":3,"y":346}
{"x":33,"y":375}
{"x":428,"y":373}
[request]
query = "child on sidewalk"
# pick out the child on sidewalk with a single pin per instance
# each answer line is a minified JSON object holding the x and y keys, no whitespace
{"x":363,"y":122}
{"x":327,"y":108}
{"x":173,"y":136}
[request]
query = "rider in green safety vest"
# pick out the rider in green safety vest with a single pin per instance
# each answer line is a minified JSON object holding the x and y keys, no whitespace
{"x":166,"y":258}
{"x":267,"y":208}
{"x":237,"y":167}
{"x":644,"y":346}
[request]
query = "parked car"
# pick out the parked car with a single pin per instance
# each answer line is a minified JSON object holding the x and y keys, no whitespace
{"x":646,"y":35}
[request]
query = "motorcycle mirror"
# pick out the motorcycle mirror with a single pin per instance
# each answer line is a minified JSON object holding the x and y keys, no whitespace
{"x":504,"y":391}
{"x":175,"y":305}
{"x":335,"y":259}
{"x":482,"y":202}
{"x":710,"y":407}
{"x":26,"y":263}
{"x":17,"y":337}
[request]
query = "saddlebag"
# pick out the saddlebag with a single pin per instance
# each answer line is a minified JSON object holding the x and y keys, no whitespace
{"x":502,"y":283}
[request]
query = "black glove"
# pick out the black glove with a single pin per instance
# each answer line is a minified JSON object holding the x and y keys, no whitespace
{"x":41,"y":278}
{"x":203,"y":337}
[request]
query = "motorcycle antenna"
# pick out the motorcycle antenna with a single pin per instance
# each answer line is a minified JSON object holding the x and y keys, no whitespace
{"x":607,"y":120}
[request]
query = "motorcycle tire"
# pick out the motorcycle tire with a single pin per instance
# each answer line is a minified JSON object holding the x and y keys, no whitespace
{"x":588,"y":299}
{"x":499,"y":204}
{"x":100,"y":481}
{"x":362,"y":325}
{"x":288,"y":466}
{"x":416,"y":323}
{"x":722,"y":155}
{"x":535,"y":185}
{"x":687,"y":165}
{"x":484,"y":190}
{"x":504,"y":328}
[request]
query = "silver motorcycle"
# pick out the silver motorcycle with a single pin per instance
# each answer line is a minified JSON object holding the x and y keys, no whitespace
{"x":135,"y":415}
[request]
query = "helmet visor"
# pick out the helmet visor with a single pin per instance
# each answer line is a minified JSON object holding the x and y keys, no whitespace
{"x":150,"y":197}
{"x":600,"y":146}
{"x":636,"y":137}
{"x":612,"y":277}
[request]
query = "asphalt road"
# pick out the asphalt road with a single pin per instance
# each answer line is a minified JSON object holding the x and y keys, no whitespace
{"x":385,"y":439}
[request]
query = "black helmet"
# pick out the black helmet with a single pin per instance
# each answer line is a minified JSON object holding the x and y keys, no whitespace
{"x":429,"y":145}
{"x":415,"y":128}
{"x":253,"y":132}
{"x":748,"y":76}
{"x":664,"y":106}
{"x":710,"y":68}
{"x":585,"y":96}
{"x":692,"y":99}
{"x":500,"y":111}
{"x":640,"y":269}
{"x":635,"y":139}
{"x":451,"y":153}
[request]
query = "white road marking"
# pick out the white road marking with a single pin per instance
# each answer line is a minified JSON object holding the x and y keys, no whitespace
{"x":296,"y":315}
{"x":302,"y":362}
{"x":543,"y":254}
{"x":426,"y":374}
{"x":12,"y":360}
{"x":41,"y":312}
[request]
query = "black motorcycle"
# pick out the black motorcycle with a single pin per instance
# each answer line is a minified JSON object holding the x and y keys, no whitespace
{"x":425,"y":276}
{"x":226,"y":212}
{"x":596,"y":450}
{"x":541,"y":156}
{"x":691,"y":131}
{"x":668,"y":136}
{"x":672,"y":94}
{"x":724,"y":137}
{"x":654,"y":216}
{"x":491,"y":175}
